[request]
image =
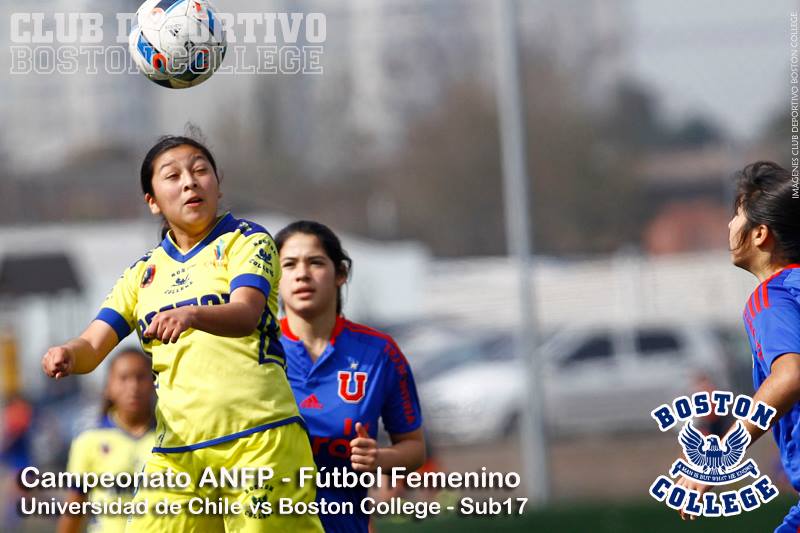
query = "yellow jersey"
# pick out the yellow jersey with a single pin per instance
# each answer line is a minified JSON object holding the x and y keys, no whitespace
{"x":109,"y":448}
{"x":211,"y":389}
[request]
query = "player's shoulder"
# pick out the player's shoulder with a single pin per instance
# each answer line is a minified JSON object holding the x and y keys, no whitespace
{"x":782,"y":289}
{"x":247,"y":228}
{"x":776,"y":298}
{"x":141,"y":270}
{"x":97,"y":431}
{"x":791,"y":281}
{"x":370,"y":336}
{"x":142,"y":261}
{"x":242,"y":232}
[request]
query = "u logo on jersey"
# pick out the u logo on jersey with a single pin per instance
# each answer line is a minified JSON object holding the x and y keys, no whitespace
{"x":344,"y":385}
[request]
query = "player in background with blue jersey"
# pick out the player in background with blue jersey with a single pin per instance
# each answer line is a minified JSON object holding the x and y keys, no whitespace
{"x":764,"y":238}
{"x":345,"y":376}
{"x":121,"y":441}
{"x":204,"y":303}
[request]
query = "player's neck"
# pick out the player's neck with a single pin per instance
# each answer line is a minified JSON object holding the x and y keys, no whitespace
{"x":765,"y":265}
{"x":315,"y":332}
{"x":135,"y":424}
{"x":186,"y":238}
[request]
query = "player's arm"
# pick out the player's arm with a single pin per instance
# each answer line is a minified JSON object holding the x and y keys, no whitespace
{"x":254,"y":268}
{"x":69,"y":523}
{"x":407,"y":450}
{"x":82,"y":354}
{"x":238,"y":318}
{"x":780,"y":390}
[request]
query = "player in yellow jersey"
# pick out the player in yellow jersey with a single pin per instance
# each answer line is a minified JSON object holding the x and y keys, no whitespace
{"x":204,"y":304}
{"x":120,"y":443}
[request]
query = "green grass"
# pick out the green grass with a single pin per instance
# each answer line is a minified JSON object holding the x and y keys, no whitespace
{"x":598,"y":518}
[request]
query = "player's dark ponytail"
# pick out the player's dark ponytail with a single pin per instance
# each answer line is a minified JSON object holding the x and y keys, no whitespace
{"x":168,"y":142}
{"x":330,"y":243}
{"x":768,"y":195}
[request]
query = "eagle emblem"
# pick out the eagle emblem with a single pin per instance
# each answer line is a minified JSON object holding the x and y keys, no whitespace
{"x":706,"y":452}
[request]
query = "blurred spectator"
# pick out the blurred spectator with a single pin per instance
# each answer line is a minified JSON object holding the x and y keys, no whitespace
{"x":15,"y":454}
{"x":15,"y":450}
{"x":711,"y":424}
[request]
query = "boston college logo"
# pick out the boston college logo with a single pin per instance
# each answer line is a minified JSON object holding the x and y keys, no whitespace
{"x":345,"y":392}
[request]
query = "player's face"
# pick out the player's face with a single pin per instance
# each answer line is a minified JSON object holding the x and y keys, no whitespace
{"x":130,"y":385}
{"x":185,"y":189}
{"x":740,"y":250}
{"x":309,"y":282}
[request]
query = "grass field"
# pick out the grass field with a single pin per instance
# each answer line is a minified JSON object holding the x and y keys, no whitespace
{"x":597,"y":518}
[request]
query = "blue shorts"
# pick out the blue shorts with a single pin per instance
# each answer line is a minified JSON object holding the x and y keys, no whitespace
{"x":791,"y":523}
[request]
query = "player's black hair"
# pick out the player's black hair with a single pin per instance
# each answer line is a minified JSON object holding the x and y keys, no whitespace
{"x":165,"y":143}
{"x":108,"y":403}
{"x":330,"y":243}
{"x":766,"y":194}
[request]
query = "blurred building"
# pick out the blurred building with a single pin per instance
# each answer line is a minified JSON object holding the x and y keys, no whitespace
{"x":689,"y":194}
{"x":697,"y":288}
{"x":62,"y":115}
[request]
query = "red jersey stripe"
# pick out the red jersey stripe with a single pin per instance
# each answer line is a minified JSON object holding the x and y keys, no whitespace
{"x":286,"y":331}
{"x":337,"y":328}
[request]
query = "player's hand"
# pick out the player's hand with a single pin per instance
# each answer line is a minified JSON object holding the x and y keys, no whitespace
{"x":691,"y":484}
{"x":167,"y":326}
{"x":363,"y":450}
{"x":58,"y":362}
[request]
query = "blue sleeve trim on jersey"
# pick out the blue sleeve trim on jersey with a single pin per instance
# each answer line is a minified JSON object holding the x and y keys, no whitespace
{"x":116,"y":321}
{"x":251,"y":280}
{"x":270,"y":359}
{"x":234,"y":436}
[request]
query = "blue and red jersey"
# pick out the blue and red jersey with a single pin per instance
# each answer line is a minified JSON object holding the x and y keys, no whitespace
{"x":772,"y":322}
{"x":361,"y":376}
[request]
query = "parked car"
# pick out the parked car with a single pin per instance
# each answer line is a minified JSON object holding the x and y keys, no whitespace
{"x":594,"y":379}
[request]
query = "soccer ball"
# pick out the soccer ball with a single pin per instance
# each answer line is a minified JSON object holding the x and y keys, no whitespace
{"x":177,"y":43}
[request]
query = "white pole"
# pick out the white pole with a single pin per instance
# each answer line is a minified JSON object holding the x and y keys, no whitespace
{"x":515,"y":191}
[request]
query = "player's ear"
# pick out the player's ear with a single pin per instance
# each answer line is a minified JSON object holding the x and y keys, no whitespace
{"x":341,"y":275}
{"x":151,"y":203}
{"x":760,"y":234}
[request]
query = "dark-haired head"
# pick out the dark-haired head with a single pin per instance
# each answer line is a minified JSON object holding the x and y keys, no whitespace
{"x":149,"y":171}
{"x":764,"y":200}
{"x":129,"y":385}
{"x":164,"y":144}
{"x":330,"y":244}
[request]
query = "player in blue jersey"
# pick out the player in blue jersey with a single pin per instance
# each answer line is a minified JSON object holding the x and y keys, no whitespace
{"x":764,"y":237}
{"x":204,"y":303}
{"x":345,"y":376}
